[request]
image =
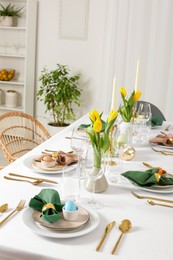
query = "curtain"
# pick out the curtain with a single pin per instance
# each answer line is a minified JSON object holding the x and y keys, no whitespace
{"x":139,"y":29}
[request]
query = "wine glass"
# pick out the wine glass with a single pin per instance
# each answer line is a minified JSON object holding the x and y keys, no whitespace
{"x":120,"y":145}
{"x":94,"y":174}
{"x":143,"y":123}
{"x":79,"y":144}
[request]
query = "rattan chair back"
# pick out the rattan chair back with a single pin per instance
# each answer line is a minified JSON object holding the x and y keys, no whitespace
{"x":20,"y":133}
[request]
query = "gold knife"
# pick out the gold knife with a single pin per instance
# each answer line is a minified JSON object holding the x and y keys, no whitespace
{"x":107,"y":230}
{"x":23,"y":176}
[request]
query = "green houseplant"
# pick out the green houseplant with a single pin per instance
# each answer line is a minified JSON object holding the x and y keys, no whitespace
{"x":7,"y":13}
{"x":59,"y":91}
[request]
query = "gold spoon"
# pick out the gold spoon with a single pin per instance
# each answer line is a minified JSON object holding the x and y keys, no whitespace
{"x":129,"y":154}
{"x":107,"y":230}
{"x":158,"y":204}
{"x":3,"y":207}
{"x":124,"y":226}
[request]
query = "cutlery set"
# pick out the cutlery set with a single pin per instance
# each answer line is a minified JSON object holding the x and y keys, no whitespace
{"x":124,"y":226}
{"x":35,"y":182}
{"x":151,"y":202}
{"x":162,"y":151}
{"x":4,"y":207}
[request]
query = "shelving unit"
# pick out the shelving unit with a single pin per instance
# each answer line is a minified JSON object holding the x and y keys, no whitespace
{"x":17,"y":51}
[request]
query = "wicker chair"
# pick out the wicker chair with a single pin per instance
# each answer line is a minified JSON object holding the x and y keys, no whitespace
{"x":20,"y":133}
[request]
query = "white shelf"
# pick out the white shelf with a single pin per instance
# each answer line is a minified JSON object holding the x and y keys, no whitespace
{"x":19,"y":108}
{"x":12,"y":82}
{"x":13,"y":28}
{"x":23,"y":35}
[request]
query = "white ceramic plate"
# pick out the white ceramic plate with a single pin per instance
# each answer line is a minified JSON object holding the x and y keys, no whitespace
{"x":156,"y":189}
{"x":163,"y":146}
{"x":40,"y":230}
{"x":28,"y":162}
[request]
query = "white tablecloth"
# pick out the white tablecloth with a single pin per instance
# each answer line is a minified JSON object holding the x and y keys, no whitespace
{"x":151,"y":235}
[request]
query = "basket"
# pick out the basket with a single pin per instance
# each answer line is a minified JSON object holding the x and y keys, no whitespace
{"x":6,"y":74}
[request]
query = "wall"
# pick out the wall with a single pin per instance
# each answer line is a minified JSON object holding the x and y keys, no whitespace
{"x":118,"y":33}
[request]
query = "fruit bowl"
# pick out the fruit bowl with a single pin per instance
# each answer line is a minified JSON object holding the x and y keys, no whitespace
{"x":6,"y":74}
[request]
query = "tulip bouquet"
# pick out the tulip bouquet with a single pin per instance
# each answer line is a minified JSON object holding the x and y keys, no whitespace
{"x":100,"y":139}
{"x":127,"y":109}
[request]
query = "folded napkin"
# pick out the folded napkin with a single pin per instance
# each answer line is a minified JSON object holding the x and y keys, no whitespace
{"x":89,"y":126}
{"x":61,"y":158}
{"x":149,"y":177}
{"x":156,"y":121}
{"x":161,"y":139}
{"x":50,"y":200}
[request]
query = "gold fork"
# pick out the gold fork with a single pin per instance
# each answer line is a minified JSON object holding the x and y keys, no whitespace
{"x":150,"y":198}
{"x":19,"y":207}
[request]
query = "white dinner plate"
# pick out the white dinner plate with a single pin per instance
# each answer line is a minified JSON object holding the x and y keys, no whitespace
{"x":28,"y":162}
{"x":92,"y":224}
{"x":163,"y":146}
{"x":156,"y":189}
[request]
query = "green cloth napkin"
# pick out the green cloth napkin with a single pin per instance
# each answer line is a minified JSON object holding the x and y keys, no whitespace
{"x":147,"y":178}
{"x":156,"y":121}
{"x":89,"y":126}
{"x":47,"y":196}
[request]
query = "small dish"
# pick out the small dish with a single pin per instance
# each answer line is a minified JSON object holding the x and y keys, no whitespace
{"x":70,"y":215}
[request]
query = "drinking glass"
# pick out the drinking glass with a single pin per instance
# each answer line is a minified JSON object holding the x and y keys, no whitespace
{"x":94,"y":174}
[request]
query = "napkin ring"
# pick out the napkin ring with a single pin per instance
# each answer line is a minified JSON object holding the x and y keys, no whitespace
{"x":157,"y":176}
{"x":48,"y":206}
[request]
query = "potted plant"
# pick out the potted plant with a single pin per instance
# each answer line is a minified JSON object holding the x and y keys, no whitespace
{"x":59,"y":91}
{"x":7,"y":13}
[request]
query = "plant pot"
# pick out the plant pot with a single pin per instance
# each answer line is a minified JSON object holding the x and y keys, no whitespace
{"x":11,"y":99}
{"x":6,"y":21}
{"x":55,"y":129}
{"x":100,"y":185}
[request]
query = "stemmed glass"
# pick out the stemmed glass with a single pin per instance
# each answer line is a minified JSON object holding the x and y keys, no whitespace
{"x":93,"y":174}
{"x":79,"y":144}
{"x":120,"y":145}
{"x":143,"y":123}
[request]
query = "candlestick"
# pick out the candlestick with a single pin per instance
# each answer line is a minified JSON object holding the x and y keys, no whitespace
{"x":137,"y":76}
{"x":113,"y":95}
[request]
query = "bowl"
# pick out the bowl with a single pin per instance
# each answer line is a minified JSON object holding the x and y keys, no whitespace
{"x":6,"y":74}
{"x":48,"y":161}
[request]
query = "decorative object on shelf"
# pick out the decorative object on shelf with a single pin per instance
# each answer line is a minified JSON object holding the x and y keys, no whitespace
{"x":100,"y":142}
{"x":7,"y":13}
{"x":59,"y":91}
{"x":11,"y":98}
{"x":6,"y":74}
{"x":0,"y":97}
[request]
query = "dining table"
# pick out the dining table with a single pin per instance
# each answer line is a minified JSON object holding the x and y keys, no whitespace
{"x":151,"y":233}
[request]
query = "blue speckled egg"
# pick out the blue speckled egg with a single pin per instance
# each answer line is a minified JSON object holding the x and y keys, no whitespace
{"x":70,"y":206}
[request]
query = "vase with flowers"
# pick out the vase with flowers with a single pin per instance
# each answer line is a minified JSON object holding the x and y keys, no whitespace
{"x":127,"y":112}
{"x":100,"y":142}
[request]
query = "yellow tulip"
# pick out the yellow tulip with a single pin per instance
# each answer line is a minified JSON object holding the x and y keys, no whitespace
{"x":97,"y":125}
{"x":123,"y":91}
{"x":137,"y":96}
{"x":94,"y":115}
{"x":112,"y":115}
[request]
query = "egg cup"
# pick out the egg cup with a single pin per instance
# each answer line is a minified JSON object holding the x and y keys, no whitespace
{"x":70,"y":215}
{"x":48,"y":164}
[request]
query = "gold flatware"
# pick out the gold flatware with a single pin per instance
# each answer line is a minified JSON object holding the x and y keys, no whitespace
{"x":150,"y":198}
{"x":32,"y":182}
{"x":124,"y":226}
{"x":158,"y":204}
{"x":148,"y":165}
{"x":3,"y":207}
{"x":32,"y":178}
{"x":107,"y":230}
{"x":52,"y":151}
{"x":162,"y":151}
{"x":19,"y":207}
